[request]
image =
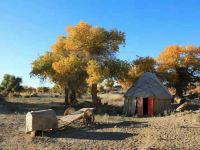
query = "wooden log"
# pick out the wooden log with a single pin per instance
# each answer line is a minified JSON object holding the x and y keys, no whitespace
{"x":66,"y":120}
{"x":41,"y":120}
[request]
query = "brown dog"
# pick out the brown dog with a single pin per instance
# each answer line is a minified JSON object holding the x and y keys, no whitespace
{"x":88,"y":118}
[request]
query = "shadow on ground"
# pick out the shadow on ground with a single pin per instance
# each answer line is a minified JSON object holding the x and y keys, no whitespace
{"x":7,"y":107}
{"x":123,"y":124}
{"x":187,"y":127}
{"x":92,"y":133}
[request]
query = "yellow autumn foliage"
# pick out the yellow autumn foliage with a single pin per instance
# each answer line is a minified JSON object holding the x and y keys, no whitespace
{"x":179,"y":66}
{"x":169,"y":57}
{"x":96,"y":72}
{"x":181,"y":56}
{"x":68,"y":66}
{"x":93,"y":40}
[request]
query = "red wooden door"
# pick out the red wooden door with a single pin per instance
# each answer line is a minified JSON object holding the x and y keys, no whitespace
{"x":150,"y":106}
{"x":140,"y":106}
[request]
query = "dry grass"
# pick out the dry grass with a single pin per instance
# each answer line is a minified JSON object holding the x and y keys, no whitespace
{"x":112,"y":99}
{"x":107,"y":118}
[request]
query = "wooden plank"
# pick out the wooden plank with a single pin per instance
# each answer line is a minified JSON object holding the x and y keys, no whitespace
{"x":140,"y":107}
{"x":133,"y":106}
{"x":150,"y":106}
{"x":71,"y":118}
{"x":84,"y":109}
{"x":65,"y":120}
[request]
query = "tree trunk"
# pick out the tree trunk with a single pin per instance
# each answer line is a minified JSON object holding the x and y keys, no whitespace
{"x":72,"y":96}
{"x":94,"y":95}
{"x":182,"y":82}
{"x":67,"y":100}
{"x":179,"y":91}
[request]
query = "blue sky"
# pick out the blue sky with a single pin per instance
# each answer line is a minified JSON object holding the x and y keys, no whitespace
{"x":29,"y":27}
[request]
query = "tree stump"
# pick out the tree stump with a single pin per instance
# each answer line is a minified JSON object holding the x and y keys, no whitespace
{"x":69,"y":111}
{"x":40,"y":121}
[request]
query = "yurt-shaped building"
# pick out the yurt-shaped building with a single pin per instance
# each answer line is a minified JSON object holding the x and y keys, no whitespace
{"x":147,"y":97}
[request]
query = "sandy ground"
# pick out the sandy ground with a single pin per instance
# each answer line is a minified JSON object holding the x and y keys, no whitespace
{"x":176,"y":131}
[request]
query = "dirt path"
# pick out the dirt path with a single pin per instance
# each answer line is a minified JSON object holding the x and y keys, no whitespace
{"x":177,"y":131}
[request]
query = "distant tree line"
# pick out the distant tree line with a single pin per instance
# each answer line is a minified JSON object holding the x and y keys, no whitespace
{"x":13,"y":84}
{"x":10,"y":83}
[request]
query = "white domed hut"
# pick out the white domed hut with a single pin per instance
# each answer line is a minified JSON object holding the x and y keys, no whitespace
{"x":147,"y":97}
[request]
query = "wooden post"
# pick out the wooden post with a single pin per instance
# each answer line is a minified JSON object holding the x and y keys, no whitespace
{"x":94,"y":95}
{"x":66,"y":97}
{"x":140,"y":107}
{"x":150,"y":106}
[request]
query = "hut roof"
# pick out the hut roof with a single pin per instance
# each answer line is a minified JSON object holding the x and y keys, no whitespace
{"x":148,"y":85}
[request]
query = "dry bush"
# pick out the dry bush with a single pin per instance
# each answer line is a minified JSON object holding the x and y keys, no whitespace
{"x":111,"y":98}
{"x":14,"y":95}
{"x":26,"y":95}
{"x":55,"y":95}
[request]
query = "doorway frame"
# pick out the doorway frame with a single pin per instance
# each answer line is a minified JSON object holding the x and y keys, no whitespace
{"x":140,"y":106}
